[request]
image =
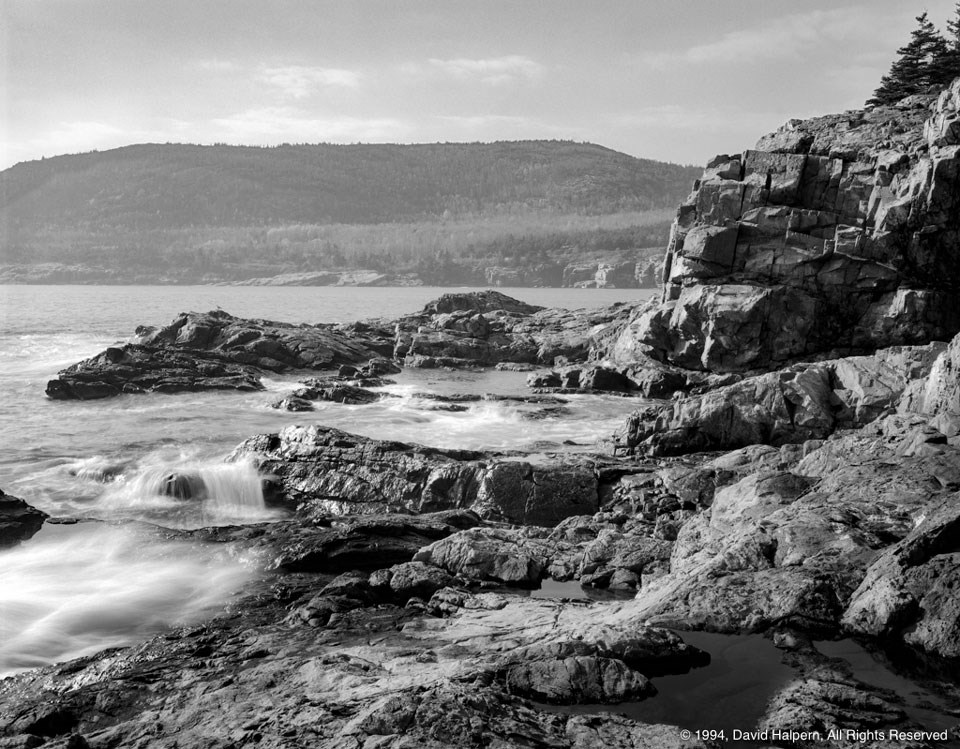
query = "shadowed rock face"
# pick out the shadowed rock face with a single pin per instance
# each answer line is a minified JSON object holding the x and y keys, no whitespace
{"x":18,"y":520}
{"x":135,"y":368}
{"x":838,"y":233}
{"x":215,"y":351}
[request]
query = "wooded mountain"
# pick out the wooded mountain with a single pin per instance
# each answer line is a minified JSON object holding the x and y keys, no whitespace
{"x":155,"y":206}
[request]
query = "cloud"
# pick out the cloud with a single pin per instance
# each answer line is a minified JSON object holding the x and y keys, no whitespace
{"x":298,"y":81}
{"x":76,"y":136}
{"x":218,"y":66}
{"x":287,"y":124}
{"x":785,"y":38}
{"x":501,"y":127}
{"x":676,"y":117}
{"x":493,"y":71}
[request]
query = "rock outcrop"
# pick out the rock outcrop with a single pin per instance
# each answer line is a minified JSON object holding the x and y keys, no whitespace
{"x":484,"y":328}
{"x":322,"y":470}
{"x":795,"y":404}
{"x":835,"y":234}
{"x":214,"y":350}
{"x":18,"y":520}
{"x":134,"y":368}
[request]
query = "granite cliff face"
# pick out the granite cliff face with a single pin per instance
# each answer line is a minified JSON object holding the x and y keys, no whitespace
{"x":835,"y":235}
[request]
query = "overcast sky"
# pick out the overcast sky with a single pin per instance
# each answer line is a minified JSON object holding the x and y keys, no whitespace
{"x":678,"y":80}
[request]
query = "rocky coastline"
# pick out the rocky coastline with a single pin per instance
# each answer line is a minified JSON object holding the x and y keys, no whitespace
{"x":792,"y":472}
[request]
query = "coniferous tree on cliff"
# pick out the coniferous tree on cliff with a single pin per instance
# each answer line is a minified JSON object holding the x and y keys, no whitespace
{"x":920,"y":65}
{"x":948,"y":66}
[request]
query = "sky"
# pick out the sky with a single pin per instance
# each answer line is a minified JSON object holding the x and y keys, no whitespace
{"x":674,"y":80}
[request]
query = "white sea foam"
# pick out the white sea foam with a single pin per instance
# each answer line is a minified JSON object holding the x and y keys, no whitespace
{"x":187,"y":494}
{"x":74,"y":590}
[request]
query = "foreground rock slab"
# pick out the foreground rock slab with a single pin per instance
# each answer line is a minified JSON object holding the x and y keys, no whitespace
{"x":386,"y":676}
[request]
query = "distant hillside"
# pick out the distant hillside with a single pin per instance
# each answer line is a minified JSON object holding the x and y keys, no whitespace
{"x":168,"y":212}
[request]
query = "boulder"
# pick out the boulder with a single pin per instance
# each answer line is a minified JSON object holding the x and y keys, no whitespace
{"x":490,"y":554}
{"x":576,"y":679}
{"x":409,"y":579}
{"x":909,"y":592}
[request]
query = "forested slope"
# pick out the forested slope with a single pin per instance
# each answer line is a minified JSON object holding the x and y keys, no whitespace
{"x":169,"y":212}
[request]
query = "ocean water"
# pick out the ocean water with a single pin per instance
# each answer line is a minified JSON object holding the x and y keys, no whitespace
{"x":72,"y":590}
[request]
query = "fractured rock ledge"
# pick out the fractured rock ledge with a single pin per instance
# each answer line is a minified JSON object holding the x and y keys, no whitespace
{"x":837,"y":233}
{"x":324,"y":470}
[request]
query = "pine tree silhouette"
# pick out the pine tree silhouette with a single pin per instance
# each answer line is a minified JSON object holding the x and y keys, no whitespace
{"x":922,"y":63}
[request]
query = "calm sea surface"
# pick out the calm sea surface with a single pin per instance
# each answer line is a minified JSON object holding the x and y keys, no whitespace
{"x":77,"y":589}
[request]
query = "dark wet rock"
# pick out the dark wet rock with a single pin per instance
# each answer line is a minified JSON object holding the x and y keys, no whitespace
{"x":604,"y":378}
{"x":582,"y":378}
{"x":363,"y":542}
{"x":216,"y":351}
{"x":337,"y":544}
{"x":379,"y":366}
{"x":324,"y":470}
{"x":135,"y":368}
{"x":293,"y":403}
{"x":182,"y":486}
{"x":18,"y":520}
{"x":268,"y":345}
{"x":544,"y":379}
{"x":340,"y":393}
{"x":825,"y":700}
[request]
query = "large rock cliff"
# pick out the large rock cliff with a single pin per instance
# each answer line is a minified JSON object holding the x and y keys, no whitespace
{"x":838,"y":234}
